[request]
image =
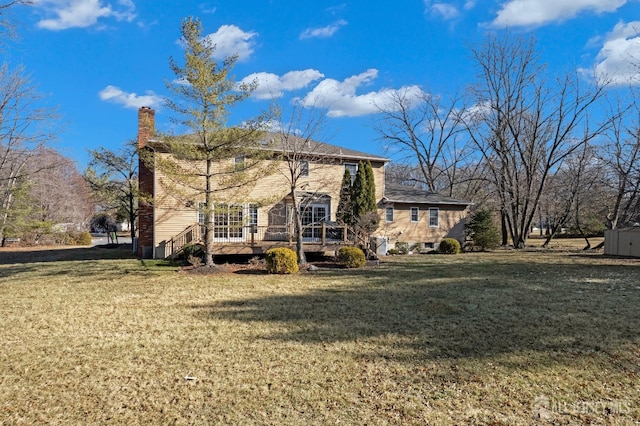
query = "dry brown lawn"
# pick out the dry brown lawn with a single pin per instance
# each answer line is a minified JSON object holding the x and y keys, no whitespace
{"x":503,"y":338}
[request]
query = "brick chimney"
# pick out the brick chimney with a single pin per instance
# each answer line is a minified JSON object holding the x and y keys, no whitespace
{"x":146,"y":125}
{"x":146,"y":178}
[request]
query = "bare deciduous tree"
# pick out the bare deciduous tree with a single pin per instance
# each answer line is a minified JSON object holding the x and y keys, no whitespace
{"x":569,"y":192}
{"x":113,"y":176}
{"x":59,"y":191}
{"x":621,"y":156}
{"x":298,"y":148}
{"x":525,"y":124}
{"x":426,"y":132}
{"x":7,"y":26}
{"x":26,"y":127}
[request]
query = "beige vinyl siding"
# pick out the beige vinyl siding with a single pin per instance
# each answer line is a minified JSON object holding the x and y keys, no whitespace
{"x":450,"y":223}
{"x":174,"y":214}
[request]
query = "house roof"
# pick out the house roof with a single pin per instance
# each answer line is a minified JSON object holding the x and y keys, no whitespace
{"x":310,"y":147}
{"x":394,"y":193}
{"x":307,"y":148}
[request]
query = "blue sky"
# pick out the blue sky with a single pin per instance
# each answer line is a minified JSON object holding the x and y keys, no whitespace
{"x":99,"y":60}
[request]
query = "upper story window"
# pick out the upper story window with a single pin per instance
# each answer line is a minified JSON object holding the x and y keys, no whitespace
{"x":434,"y":214}
{"x":388,"y":214}
{"x":238,"y":163}
{"x":353,"y":169}
{"x":414,"y":214}
{"x":304,"y":168}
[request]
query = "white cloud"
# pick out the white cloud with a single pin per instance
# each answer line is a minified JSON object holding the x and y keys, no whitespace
{"x":207,"y":9}
{"x":469,"y":4}
{"x":446,"y":11}
{"x":323,"y":32}
{"x":129,"y":100}
{"x":231,"y":40}
{"x":619,"y":58}
{"x":516,"y":13}
{"x":272,"y":86}
{"x":341,"y":100}
{"x":82,"y":13}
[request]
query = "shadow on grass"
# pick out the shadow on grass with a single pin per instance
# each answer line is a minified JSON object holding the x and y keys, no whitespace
{"x":415,"y":312}
{"x":73,"y":262}
{"x":112,"y":251}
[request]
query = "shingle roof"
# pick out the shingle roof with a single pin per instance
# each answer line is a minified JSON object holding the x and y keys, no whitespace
{"x":394,"y":193}
{"x":309,"y":148}
{"x":315,"y":148}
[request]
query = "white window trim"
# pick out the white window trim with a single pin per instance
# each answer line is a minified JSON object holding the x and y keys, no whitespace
{"x":437,"y":210}
{"x":417,"y":210}
{"x":355,"y":167}
{"x":386,"y":215}
{"x":305,"y":168}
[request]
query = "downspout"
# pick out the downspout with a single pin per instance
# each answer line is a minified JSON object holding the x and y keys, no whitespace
{"x":153,"y":206}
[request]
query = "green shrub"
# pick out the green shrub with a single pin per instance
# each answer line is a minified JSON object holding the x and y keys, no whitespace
{"x":71,"y":238}
{"x":391,"y":252}
{"x":402,"y":247}
{"x":193,"y":251}
{"x":84,"y":238}
{"x":351,"y":257}
{"x":449,"y":246}
{"x":281,"y":260}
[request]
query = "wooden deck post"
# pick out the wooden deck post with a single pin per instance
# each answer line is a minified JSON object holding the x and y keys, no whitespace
{"x":324,"y":233}
{"x":290,"y":234}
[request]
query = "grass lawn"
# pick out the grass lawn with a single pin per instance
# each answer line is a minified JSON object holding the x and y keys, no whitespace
{"x":504,"y":338}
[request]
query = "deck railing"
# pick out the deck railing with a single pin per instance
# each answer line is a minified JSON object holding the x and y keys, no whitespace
{"x":254,"y":235}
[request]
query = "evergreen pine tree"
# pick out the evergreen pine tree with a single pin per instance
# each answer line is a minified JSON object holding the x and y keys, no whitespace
{"x":203,"y":94}
{"x":483,"y":231}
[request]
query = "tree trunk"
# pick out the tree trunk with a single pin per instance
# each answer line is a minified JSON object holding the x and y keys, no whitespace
{"x":208,"y":230}
{"x":503,"y":228}
{"x":132,"y":217}
{"x":297,"y":220}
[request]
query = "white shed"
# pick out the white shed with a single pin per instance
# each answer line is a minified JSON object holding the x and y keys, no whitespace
{"x":622,"y":242}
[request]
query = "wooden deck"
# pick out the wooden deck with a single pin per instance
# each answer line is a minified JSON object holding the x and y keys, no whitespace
{"x":257,"y":240}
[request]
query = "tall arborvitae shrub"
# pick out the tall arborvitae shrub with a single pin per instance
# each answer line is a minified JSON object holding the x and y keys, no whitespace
{"x":344,"y":214}
{"x":359,"y":193}
{"x":372,"y":204}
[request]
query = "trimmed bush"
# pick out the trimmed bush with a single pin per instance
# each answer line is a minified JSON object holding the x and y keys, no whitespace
{"x":281,"y":260}
{"x":449,"y":246}
{"x":71,"y":238}
{"x":193,"y":251}
{"x":84,"y":239}
{"x":351,"y":257}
